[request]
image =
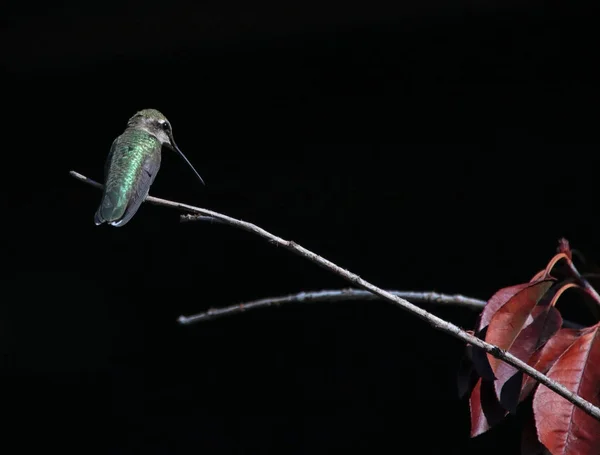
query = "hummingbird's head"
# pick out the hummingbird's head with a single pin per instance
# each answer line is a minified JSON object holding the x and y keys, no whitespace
{"x":155,"y":123}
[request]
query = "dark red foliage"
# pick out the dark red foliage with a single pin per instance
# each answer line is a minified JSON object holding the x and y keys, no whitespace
{"x":527,"y":293}
{"x":563,"y":428}
{"x":511,"y":318}
{"x":545,"y":357}
{"x":524,"y":321}
{"x":546,"y":323}
{"x":500,"y":298}
{"x":530,"y":444}
{"x":485,"y":409}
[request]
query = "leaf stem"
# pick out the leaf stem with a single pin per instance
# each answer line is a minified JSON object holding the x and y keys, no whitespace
{"x":585,"y":284}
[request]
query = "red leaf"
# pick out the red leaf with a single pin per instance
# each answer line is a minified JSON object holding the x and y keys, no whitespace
{"x":546,"y":323}
{"x":544,"y":358}
{"x":530,"y":444}
{"x":497,"y":301}
{"x":466,"y":377}
{"x":485,"y":409}
{"x":506,"y":324}
{"x":562,"y":427}
{"x":480,"y":361}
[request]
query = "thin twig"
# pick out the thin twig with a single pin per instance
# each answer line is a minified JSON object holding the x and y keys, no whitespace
{"x":339,"y":295}
{"x":434,"y":321}
{"x":331,"y":295}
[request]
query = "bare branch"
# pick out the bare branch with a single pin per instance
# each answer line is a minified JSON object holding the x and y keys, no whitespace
{"x":332,"y":295}
{"x":340,"y":295}
{"x":434,"y":321}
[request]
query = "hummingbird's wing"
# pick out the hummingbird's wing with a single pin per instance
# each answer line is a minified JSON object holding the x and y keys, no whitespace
{"x":149,"y":170}
{"x":107,"y":205}
{"x":109,"y":157}
{"x":131,"y":167}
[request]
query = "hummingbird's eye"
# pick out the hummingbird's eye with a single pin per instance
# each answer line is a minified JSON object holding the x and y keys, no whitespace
{"x":166,"y":126}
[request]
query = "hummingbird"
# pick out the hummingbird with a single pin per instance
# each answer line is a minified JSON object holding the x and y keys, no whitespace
{"x":132,"y":165}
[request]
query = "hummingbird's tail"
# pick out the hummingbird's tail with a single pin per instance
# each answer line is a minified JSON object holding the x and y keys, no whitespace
{"x":98,"y":218}
{"x":118,"y":213}
{"x":109,"y":211}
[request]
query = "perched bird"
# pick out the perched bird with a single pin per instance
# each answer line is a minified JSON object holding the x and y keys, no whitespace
{"x":132,"y":165}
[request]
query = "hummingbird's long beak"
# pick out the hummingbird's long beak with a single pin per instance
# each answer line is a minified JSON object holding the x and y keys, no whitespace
{"x":174,"y":147}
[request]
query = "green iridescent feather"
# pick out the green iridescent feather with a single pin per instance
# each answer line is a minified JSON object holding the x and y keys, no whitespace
{"x":131,"y":167}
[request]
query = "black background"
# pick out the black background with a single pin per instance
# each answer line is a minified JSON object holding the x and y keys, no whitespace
{"x":424,"y":148}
